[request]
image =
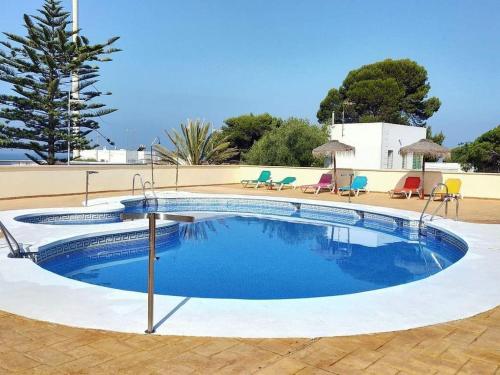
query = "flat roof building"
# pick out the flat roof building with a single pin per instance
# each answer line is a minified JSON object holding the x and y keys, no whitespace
{"x":377,"y":145}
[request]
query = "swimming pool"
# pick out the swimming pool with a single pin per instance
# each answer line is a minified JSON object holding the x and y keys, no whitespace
{"x":426,"y":294}
{"x":276,"y":251}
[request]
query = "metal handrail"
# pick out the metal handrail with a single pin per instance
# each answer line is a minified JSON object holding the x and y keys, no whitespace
{"x":142,"y":184}
{"x":427,"y":205}
{"x":152,"y":217}
{"x":16,"y":249}
{"x":87,"y":173}
{"x":351,"y":175}
{"x":150,"y":186}
{"x":446,"y":199}
{"x":153,"y":193}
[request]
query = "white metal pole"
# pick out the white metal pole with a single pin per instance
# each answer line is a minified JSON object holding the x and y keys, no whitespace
{"x":69,"y":124}
{"x":74,"y":80}
{"x":75,"y":83}
{"x":75,"y":17}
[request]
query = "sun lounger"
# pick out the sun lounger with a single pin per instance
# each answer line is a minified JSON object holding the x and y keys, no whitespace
{"x":262,"y":179}
{"x":287,"y":181}
{"x":325,"y":182}
{"x":411,"y":186}
{"x":358,"y":184}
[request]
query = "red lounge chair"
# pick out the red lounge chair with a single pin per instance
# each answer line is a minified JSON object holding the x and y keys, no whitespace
{"x":325,"y":182}
{"x":412,"y":185}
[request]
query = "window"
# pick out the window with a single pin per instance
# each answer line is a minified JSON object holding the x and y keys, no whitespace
{"x":417,"y":162}
{"x":390,"y":157}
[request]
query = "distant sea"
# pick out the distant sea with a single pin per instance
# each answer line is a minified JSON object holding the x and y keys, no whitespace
{"x":10,"y":154}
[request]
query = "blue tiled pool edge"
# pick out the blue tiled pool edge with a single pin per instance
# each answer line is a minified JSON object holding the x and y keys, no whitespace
{"x":48,"y":251}
{"x":370,"y":220}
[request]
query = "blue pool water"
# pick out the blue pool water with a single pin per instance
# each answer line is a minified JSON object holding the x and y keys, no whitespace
{"x":261,"y":258}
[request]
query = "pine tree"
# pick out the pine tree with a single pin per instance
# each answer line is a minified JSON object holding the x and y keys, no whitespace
{"x":39,"y":67}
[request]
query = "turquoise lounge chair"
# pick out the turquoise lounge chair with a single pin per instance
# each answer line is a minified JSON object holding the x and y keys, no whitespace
{"x":358,"y":184}
{"x":263,"y":178}
{"x":287,"y":181}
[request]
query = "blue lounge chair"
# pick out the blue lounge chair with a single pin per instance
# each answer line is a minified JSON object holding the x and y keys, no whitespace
{"x":263,"y":178}
{"x":287,"y":181}
{"x":358,"y":184}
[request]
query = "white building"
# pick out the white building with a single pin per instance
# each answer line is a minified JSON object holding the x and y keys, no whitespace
{"x":377,"y":145}
{"x":114,"y":156}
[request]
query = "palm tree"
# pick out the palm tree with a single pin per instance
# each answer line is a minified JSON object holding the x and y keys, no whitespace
{"x":195,"y":145}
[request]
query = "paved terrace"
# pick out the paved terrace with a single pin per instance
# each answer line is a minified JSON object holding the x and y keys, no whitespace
{"x":469,"y":346}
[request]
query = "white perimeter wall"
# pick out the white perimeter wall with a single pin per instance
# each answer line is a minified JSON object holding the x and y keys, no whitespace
{"x":52,"y":180}
{"x":474,"y":185}
{"x":25,"y":181}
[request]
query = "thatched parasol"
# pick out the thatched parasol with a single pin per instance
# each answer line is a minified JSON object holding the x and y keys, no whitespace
{"x":425,"y":147}
{"x":330,"y":149}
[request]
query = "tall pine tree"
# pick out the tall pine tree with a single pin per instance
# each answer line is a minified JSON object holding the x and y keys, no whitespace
{"x":39,"y":67}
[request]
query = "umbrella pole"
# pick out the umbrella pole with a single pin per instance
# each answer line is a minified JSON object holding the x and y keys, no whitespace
{"x":335,"y":172}
{"x":422,"y":196}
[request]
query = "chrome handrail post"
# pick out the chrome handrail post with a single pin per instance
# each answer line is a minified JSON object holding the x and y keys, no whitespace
{"x":143,"y":185}
{"x":427,"y":204}
{"x":15,"y":248}
{"x":153,"y":193}
{"x":152,"y":168}
{"x":351,"y":175}
{"x":152,"y":217}
{"x":133,"y":182}
{"x":86,"y":189}
{"x":155,"y":141}
{"x":151,"y":270}
{"x":87,"y":173}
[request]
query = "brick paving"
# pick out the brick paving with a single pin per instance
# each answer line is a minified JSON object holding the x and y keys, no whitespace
{"x":469,"y":346}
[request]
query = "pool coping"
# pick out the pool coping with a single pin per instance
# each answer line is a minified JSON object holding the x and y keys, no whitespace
{"x":466,"y":288}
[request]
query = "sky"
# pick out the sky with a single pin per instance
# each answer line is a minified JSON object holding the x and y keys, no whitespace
{"x":222,"y":58}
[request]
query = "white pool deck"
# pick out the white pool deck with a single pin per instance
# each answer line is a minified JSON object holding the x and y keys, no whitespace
{"x":468,"y":287}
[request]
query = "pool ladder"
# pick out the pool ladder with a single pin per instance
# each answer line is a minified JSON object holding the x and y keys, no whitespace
{"x":16,"y":249}
{"x":447,"y":198}
{"x":144,"y":185}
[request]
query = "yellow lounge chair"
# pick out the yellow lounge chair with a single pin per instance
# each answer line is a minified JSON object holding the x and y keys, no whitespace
{"x":454,"y":185}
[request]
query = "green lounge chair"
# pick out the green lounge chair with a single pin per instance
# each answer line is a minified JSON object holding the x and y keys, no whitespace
{"x":287,"y":181}
{"x":263,"y":178}
{"x":359,"y":183}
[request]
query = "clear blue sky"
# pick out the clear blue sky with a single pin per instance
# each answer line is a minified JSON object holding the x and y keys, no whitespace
{"x":222,"y":58}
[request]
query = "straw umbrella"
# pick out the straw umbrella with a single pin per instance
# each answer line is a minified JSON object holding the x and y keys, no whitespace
{"x":330,"y":149}
{"x":425,"y":147}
